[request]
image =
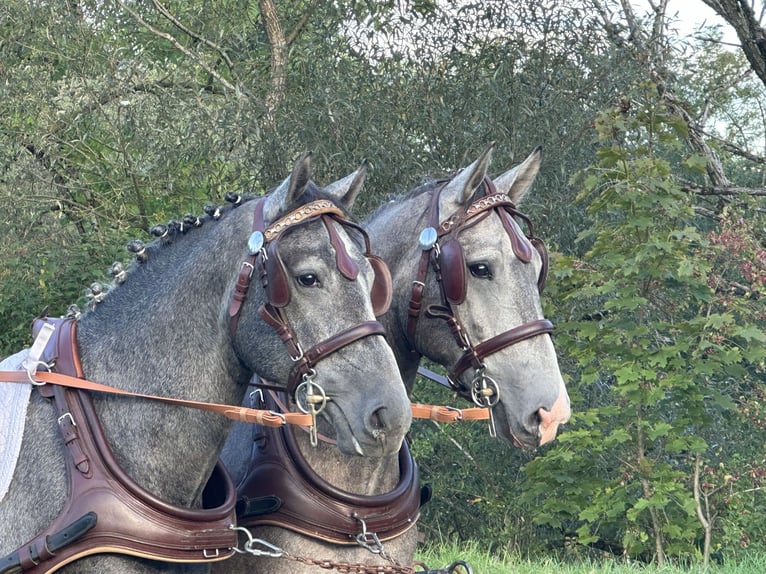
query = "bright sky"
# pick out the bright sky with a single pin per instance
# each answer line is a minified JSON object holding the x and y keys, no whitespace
{"x":692,"y":13}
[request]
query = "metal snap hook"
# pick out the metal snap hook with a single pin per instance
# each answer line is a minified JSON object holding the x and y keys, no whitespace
{"x":368,"y":540}
{"x":271,"y":550}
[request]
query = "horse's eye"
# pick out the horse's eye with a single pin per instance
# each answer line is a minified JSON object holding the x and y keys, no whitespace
{"x":308,"y":280}
{"x":480,"y":270}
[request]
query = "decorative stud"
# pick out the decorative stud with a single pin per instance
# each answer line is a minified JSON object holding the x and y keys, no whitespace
{"x":117,"y":271}
{"x":212,"y":211}
{"x":233,"y":198}
{"x":255,"y":242}
{"x":138,"y":248}
{"x":427,"y":239}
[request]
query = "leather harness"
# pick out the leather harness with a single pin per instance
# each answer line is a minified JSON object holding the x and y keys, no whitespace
{"x":107,"y":512}
{"x":281,"y":489}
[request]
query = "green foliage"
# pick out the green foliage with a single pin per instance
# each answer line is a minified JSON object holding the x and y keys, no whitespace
{"x":654,"y":338}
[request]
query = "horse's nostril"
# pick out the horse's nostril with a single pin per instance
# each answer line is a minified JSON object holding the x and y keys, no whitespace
{"x":376,"y":419}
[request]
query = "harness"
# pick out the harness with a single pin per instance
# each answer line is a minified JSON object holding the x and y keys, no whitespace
{"x":442,"y":252}
{"x":281,"y":489}
{"x":106,"y":511}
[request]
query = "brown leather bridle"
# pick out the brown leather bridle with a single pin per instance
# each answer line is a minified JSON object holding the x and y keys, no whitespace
{"x":441,"y":250}
{"x":263,"y":255}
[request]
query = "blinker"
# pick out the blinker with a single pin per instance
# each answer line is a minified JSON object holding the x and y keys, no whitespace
{"x":255,"y":242}
{"x":427,"y":238}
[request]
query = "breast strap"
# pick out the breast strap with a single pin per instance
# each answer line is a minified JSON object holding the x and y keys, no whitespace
{"x":280,"y":489}
{"x":107,"y":512}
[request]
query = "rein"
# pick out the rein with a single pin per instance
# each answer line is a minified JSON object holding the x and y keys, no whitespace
{"x":442,"y":252}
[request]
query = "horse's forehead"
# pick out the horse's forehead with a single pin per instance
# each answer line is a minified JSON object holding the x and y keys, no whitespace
{"x":490,"y":237}
{"x":313,"y":239}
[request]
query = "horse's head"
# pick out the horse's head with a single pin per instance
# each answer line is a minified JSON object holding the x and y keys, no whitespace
{"x":482,"y":316}
{"x":309,"y":291}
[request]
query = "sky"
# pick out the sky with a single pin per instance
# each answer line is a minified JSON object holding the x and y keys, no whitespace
{"x":692,"y":13}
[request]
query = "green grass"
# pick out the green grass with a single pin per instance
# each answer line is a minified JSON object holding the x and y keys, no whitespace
{"x":482,"y":562}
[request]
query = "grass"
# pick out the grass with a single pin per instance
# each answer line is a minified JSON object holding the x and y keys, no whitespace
{"x":482,"y":562}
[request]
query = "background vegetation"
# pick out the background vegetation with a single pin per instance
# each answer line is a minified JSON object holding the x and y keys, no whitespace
{"x":120,"y":114}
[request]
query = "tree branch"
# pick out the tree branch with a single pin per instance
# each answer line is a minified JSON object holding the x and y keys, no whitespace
{"x":177,"y":44}
{"x":166,"y":13}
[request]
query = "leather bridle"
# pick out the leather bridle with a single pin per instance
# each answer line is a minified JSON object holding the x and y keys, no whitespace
{"x":441,"y":251}
{"x":263,"y":256}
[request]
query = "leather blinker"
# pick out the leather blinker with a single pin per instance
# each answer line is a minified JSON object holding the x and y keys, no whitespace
{"x":453,"y":271}
{"x":275,"y":277}
{"x":382,"y":290}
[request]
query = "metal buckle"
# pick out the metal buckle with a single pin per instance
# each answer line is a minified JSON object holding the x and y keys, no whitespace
{"x":250,"y":265}
{"x":300,"y":353}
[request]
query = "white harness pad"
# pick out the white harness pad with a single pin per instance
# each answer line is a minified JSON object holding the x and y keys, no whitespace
{"x":14,"y":399}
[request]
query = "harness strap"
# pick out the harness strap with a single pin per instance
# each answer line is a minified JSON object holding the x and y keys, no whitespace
{"x":306,"y":360}
{"x":419,"y":284}
{"x":236,"y":413}
{"x":501,"y":341}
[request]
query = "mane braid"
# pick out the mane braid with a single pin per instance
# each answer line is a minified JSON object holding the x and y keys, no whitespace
{"x":164,"y":235}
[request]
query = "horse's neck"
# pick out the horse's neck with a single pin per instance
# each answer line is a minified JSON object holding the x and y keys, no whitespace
{"x":394,"y":231}
{"x":367,"y":476}
{"x":163,"y":332}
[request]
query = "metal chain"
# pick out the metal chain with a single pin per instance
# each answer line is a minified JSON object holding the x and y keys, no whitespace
{"x":260,"y":547}
{"x":350,"y":567}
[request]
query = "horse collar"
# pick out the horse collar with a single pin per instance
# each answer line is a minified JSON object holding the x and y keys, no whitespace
{"x":280,"y":488}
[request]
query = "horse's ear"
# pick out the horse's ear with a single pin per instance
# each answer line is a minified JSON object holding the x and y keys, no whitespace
{"x":459,"y":191}
{"x":287,"y":192}
{"x":516,"y":181}
{"x":344,"y":191}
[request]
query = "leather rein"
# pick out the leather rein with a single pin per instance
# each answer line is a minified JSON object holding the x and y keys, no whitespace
{"x":441,"y":251}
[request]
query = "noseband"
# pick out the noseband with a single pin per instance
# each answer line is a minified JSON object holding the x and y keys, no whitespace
{"x":263,"y":255}
{"x":441,"y":248}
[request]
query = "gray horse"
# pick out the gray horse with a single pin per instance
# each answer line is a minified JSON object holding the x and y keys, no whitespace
{"x":167,"y":331}
{"x":501,"y":295}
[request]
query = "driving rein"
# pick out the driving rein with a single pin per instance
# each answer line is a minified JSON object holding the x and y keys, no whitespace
{"x":442,"y":252}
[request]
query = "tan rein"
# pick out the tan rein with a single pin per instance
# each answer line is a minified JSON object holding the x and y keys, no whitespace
{"x":267,"y":418}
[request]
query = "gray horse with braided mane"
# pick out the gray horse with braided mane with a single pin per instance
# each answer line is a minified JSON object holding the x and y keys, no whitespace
{"x":169,"y":330}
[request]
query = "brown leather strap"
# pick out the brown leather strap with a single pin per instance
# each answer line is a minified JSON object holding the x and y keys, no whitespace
{"x":501,"y":341}
{"x":444,"y":414}
{"x":419,"y":284}
{"x":237,"y":413}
